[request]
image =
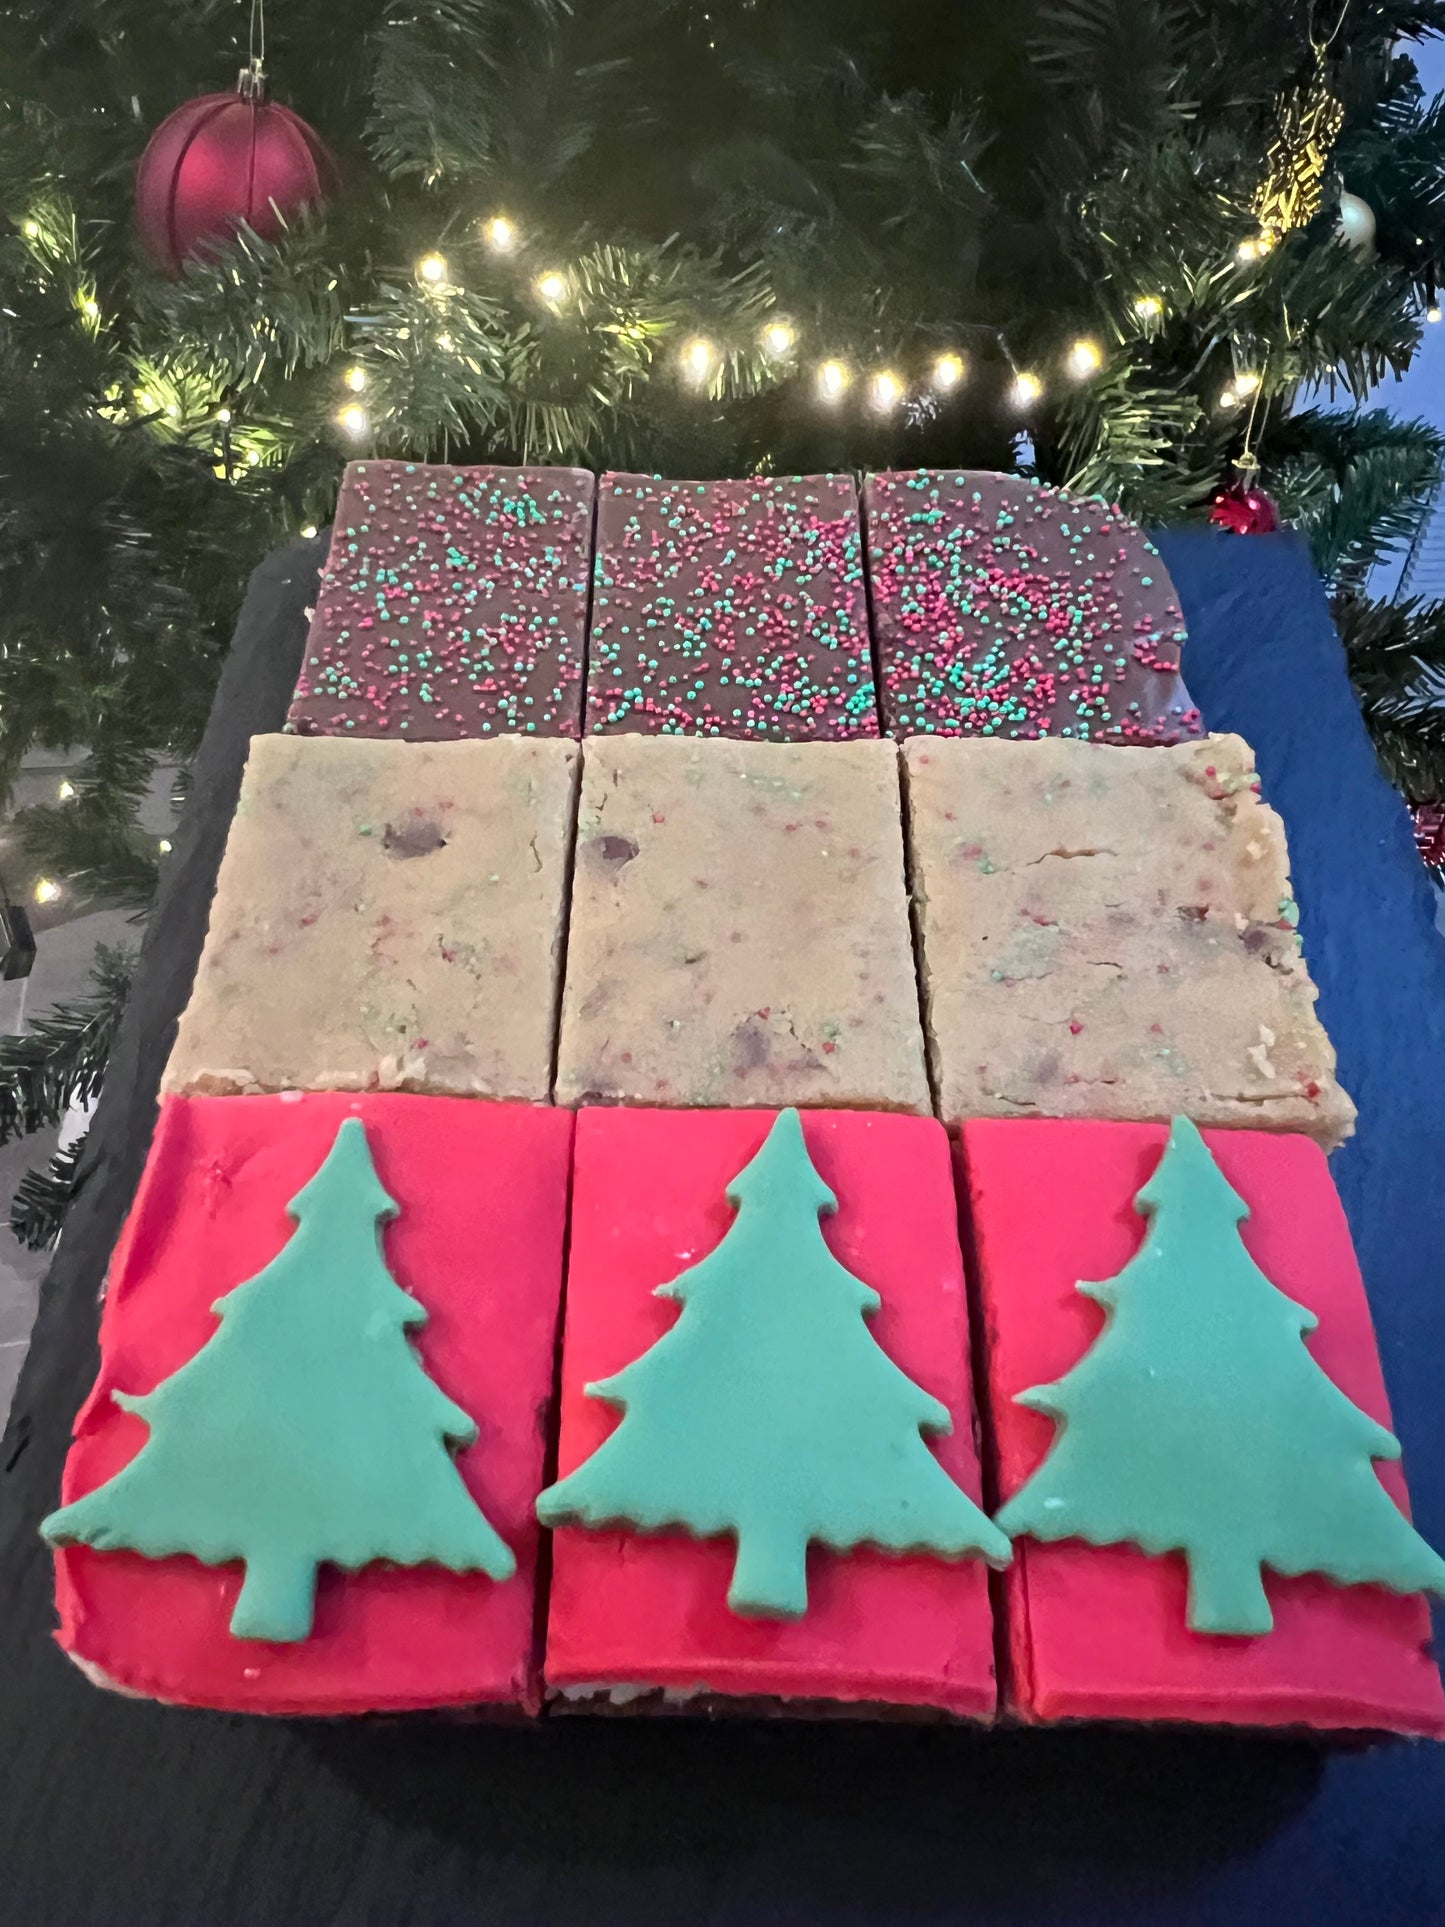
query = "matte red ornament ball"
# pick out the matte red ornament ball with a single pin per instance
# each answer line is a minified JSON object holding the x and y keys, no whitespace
{"x":222,"y":160}
{"x":1430,"y":832}
{"x":1244,"y":507}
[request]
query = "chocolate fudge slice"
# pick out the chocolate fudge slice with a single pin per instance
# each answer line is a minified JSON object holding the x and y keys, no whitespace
{"x":1005,"y":608}
{"x":730,"y":609}
{"x":739,"y":930}
{"x":453,"y":604}
{"x":1109,"y":933}
{"x":388,"y":916}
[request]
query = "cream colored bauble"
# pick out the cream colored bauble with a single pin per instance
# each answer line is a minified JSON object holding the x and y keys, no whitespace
{"x":1356,"y":223}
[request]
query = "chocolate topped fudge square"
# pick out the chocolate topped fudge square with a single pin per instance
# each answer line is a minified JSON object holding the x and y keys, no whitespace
{"x":730,"y":609}
{"x":453,"y":604}
{"x":1006,"y":608}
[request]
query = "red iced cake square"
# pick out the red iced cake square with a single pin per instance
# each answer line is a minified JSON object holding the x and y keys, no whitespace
{"x":640,"y":1619}
{"x":477,"y":1239}
{"x":1099,"y":1632}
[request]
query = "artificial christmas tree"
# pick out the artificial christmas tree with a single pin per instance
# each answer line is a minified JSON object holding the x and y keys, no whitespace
{"x":1198,"y":1422}
{"x":769,"y":1413}
{"x":306,"y":1431}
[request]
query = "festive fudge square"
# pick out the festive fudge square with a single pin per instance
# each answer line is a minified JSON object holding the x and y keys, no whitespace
{"x":480,"y":1196}
{"x":388,"y":916}
{"x":1100,"y":1632}
{"x":739,"y":930}
{"x":453,"y":604}
{"x":1005,"y":608}
{"x":730,"y":609}
{"x":1106,"y":933}
{"x":642,"y":1618}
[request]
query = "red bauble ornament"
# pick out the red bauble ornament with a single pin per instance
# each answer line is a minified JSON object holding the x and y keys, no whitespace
{"x":221,"y":160}
{"x":1430,"y":832}
{"x":1243,"y":506}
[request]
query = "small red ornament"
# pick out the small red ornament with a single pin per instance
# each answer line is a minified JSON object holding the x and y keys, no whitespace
{"x":1430,"y":832}
{"x":222,"y":160}
{"x":1243,"y":506}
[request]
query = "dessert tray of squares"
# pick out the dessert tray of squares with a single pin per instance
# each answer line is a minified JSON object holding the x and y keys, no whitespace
{"x":678,"y":922}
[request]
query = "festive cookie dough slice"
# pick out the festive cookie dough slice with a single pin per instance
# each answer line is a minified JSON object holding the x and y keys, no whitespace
{"x":741,"y":1380}
{"x":1109,"y":934}
{"x":739,"y":930}
{"x":1005,"y":608}
{"x":303,"y":1481}
{"x":730,"y":609}
{"x":453,"y":604}
{"x":387,"y":917}
{"x":1186,"y":1446}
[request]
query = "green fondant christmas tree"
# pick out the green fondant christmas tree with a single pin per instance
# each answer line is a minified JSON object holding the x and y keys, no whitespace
{"x":306,"y":1430}
{"x":1199,"y":1423}
{"x":768,"y":1412}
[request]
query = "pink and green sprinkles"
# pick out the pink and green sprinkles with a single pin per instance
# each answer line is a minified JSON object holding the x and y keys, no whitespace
{"x":453,"y":604}
{"x":731,"y":609}
{"x":1005,"y":608}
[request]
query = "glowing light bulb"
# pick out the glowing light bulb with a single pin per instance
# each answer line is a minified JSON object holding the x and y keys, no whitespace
{"x":353,"y":419}
{"x":501,"y":235}
{"x":431,"y":270}
{"x":1246,"y":383}
{"x":253,"y":459}
{"x":144,"y":398}
{"x":445,"y":343}
{"x":1248,"y":249}
{"x":1026,"y":389}
{"x":885,"y":390}
{"x":173,"y":411}
{"x":1228,"y":399}
{"x":697,"y":359}
{"x":46,"y":890}
{"x":833,"y":380}
{"x":551,"y":286}
{"x":309,"y":531}
{"x":66,"y":790}
{"x":1084,"y":357}
{"x":778,"y":337}
{"x":31,"y":230}
{"x":90,"y":307}
{"x":1432,"y":313}
{"x":223,"y":414}
{"x":947,"y":372}
{"x":355,"y":379}
{"x":164,"y":846}
{"x":1149,"y":306}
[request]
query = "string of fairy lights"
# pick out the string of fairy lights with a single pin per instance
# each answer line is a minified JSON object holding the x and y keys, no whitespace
{"x":700,"y":358}
{"x":834,"y":379}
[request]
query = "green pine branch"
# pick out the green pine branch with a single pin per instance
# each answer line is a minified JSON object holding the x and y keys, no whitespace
{"x":60,"y":1060}
{"x":44,"y":1195}
{"x":1396,"y":657}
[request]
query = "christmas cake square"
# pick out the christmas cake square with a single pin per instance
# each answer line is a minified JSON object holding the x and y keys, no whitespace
{"x":304,"y":1480}
{"x":1005,"y":608}
{"x":1191,"y":1435}
{"x":748,"y":1371}
{"x":453,"y":604}
{"x":730,"y":609}
{"x":1110,"y":934}
{"x":388,"y":916}
{"x":739,"y":930}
